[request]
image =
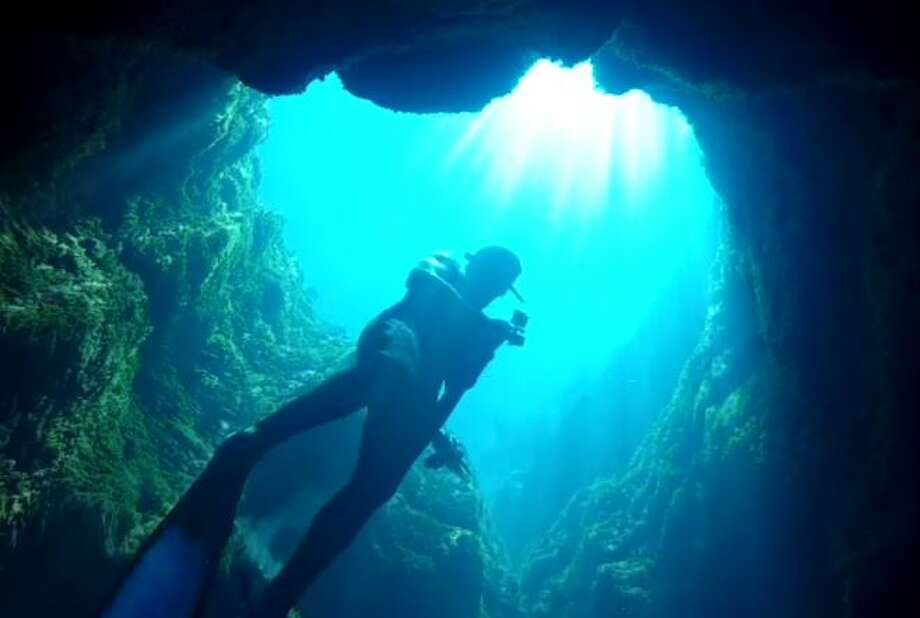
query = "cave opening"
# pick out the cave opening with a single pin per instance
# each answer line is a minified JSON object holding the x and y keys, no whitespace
{"x":150,"y":305}
{"x":606,"y":200}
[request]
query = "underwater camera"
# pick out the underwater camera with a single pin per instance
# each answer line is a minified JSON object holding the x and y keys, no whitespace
{"x":518,"y":324}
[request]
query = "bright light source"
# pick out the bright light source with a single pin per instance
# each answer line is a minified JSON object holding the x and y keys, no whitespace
{"x":557,"y":127}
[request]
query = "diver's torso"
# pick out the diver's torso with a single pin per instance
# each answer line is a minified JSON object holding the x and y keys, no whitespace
{"x":428,"y":330}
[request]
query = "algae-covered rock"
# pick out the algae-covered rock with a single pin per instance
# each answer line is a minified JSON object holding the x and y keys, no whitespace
{"x":641,"y":544}
{"x":72,"y":323}
{"x":147,"y":309}
{"x":146,"y":326}
{"x":138,"y":332}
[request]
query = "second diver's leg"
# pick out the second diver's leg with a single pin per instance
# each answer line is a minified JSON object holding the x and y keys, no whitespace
{"x":391,"y":441}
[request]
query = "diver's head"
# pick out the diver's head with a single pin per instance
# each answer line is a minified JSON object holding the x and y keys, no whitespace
{"x":490,"y":273}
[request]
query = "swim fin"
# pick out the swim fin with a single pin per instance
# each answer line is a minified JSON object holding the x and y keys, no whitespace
{"x":168,"y":580}
{"x":172,"y":572}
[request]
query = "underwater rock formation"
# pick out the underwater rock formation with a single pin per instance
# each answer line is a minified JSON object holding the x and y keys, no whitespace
{"x":147,"y":305}
{"x":601,"y":428}
{"x":159,"y":315}
{"x":775,"y":483}
{"x":655,"y":540}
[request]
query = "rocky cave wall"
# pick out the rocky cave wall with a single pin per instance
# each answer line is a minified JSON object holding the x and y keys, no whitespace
{"x":148,"y":308}
{"x":137,"y":303}
{"x":620,"y":408}
{"x":781,"y":479}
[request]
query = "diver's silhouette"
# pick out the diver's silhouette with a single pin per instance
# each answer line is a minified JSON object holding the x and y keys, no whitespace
{"x":413,"y":363}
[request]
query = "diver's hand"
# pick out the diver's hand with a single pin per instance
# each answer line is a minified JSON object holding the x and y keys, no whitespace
{"x":449,"y":453}
{"x":498,"y":332}
{"x":477,"y":352}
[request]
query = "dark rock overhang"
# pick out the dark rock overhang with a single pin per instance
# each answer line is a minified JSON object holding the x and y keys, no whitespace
{"x":446,"y":56}
{"x":69,"y":71}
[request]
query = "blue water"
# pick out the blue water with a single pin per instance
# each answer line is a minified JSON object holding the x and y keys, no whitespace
{"x":603,"y":197}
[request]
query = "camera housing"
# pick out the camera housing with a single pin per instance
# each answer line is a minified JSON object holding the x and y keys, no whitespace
{"x":519,"y":321}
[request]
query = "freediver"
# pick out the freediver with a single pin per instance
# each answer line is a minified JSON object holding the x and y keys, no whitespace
{"x":413,"y":363}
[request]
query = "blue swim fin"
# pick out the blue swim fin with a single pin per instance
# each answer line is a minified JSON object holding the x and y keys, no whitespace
{"x":169,"y":579}
{"x":170,"y":575}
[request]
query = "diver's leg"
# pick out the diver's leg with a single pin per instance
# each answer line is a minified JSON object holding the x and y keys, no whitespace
{"x":208,"y":508}
{"x":391,"y":441}
{"x":338,"y":395}
{"x":170,"y":574}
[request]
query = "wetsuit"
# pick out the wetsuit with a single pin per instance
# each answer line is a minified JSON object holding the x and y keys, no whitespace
{"x":428,"y":340}
{"x":412,"y":364}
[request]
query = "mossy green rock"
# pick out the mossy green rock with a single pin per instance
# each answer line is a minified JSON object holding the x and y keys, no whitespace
{"x":156,"y":318}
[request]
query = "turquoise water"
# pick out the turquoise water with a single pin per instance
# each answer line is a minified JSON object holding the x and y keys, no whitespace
{"x":604,"y":198}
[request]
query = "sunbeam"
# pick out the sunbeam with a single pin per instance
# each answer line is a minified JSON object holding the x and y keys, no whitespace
{"x":580,"y":142}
